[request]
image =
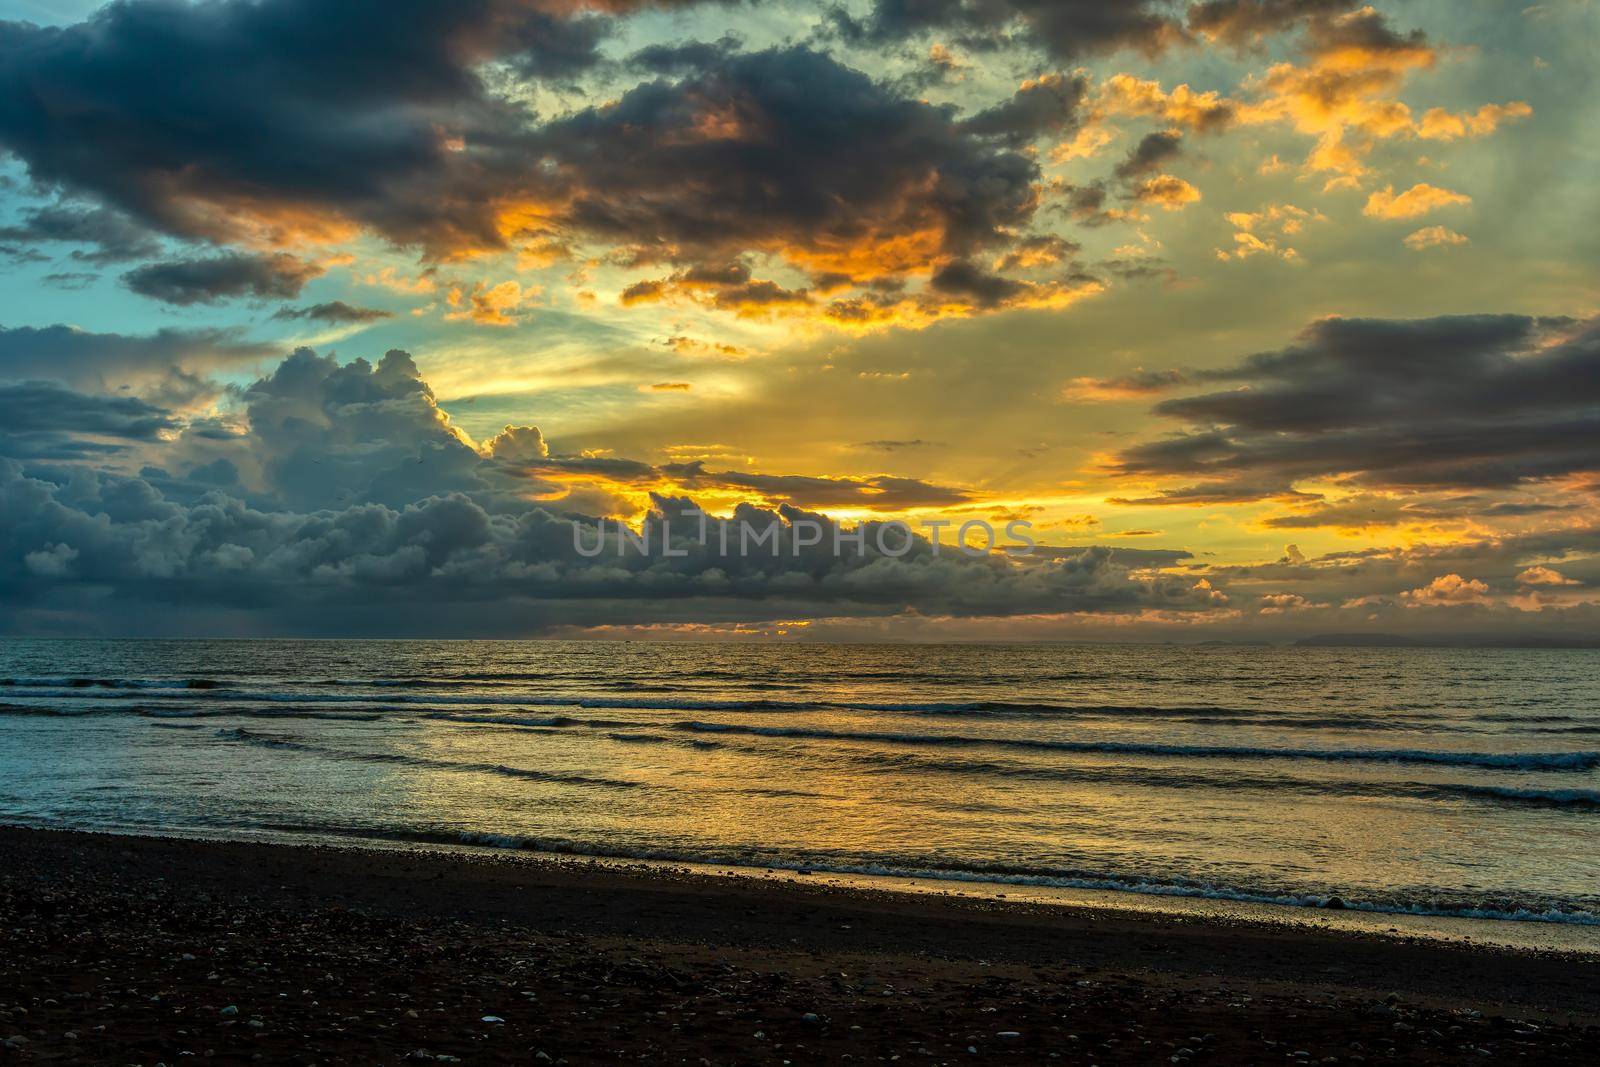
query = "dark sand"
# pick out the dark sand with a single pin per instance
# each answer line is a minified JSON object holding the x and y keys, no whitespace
{"x":136,"y":950}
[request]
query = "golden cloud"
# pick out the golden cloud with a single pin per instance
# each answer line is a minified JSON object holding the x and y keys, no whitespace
{"x":488,"y":305}
{"x":1420,"y":199}
{"x":1434,"y":237}
{"x":1170,"y":193}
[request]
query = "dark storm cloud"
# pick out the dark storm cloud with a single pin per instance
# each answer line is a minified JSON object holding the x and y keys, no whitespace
{"x":363,"y":494}
{"x":205,"y":281}
{"x":683,"y":58}
{"x":204,"y":120}
{"x":1245,"y":23}
{"x":745,"y":153}
{"x":122,"y":537}
{"x":113,"y":237}
{"x":107,"y":362}
{"x":336,"y":312}
{"x":325,"y":434}
{"x":1043,"y":106}
{"x":1084,"y":203}
{"x":1065,"y":29}
{"x":1222,"y":492}
{"x":1367,"y":30}
{"x":884,"y":492}
{"x":41,"y":419}
{"x":284,"y":119}
{"x":551,"y":47}
{"x":978,"y":285}
{"x":1486,"y":400}
{"x":1154,"y":151}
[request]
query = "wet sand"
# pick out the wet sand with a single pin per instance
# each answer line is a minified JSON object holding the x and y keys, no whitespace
{"x":151,"y":950}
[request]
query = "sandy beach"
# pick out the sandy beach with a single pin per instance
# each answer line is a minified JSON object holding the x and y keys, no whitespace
{"x":146,"y":950}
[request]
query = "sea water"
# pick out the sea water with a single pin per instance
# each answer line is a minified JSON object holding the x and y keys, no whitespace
{"x":1424,"y":781}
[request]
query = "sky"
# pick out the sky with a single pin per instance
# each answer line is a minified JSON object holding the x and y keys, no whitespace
{"x":1272,"y":318}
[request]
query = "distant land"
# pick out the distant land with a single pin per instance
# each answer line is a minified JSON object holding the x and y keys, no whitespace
{"x":1379,"y":640}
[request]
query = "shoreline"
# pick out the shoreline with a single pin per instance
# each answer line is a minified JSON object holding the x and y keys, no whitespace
{"x":347,"y":951}
{"x":1534,"y":933}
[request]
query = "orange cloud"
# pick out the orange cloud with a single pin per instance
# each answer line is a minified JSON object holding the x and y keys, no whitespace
{"x":1544,"y":576}
{"x":690,"y":346}
{"x":488,"y":305}
{"x":1434,"y":237}
{"x":1447,"y":589}
{"x":1260,"y":232}
{"x":1420,"y":199}
{"x":1124,"y":94}
{"x":1440,"y":125}
{"x":1170,"y":193}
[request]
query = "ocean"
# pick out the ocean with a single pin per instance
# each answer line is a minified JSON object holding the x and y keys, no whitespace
{"x":1422,"y":781}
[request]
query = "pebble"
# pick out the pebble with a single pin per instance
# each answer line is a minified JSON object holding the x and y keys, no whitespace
{"x":229,"y":1012}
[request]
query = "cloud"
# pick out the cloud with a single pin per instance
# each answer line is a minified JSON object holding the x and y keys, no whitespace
{"x":112,"y":237}
{"x":1151,"y":154}
{"x":1170,"y":193}
{"x":1135,"y":385}
{"x":1203,"y":112}
{"x":336,"y":312}
{"x":1047,"y":105}
{"x":489,"y":305}
{"x":1544,"y":576}
{"x":1490,"y":401}
{"x":1063,"y":29}
{"x":1036,"y":252}
{"x":1285,"y":603}
{"x":1448,"y":589}
{"x":346,"y":501}
{"x":894,"y":445}
{"x":289,"y":119}
{"x":517,"y":444}
{"x":1266,"y":231}
{"x":72,"y":279}
{"x":737,"y":157}
{"x":1440,"y":125}
{"x":1420,"y":199}
{"x":1247,"y":23}
{"x":107,"y":362}
{"x":1434,"y":237}
{"x":976,"y":284}
{"x":695,"y":348}
{"x":45,"y":420}
{"x":206,"y":281}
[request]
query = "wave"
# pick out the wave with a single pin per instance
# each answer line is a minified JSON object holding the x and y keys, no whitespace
{"x":1501,"y":760}
{"x":1560,"y":798}
{"x":1419,"y":901}
{"x":111,"y":683}
{"x":1230,"y":782}
{"x":292,"y":744}
{"x":207,"y":691}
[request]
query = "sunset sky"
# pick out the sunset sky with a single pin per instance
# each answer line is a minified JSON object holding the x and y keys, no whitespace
{"x":1274,"y":317}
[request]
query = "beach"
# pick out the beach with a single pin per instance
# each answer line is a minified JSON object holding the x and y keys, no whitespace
{"x":126,"y":949}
